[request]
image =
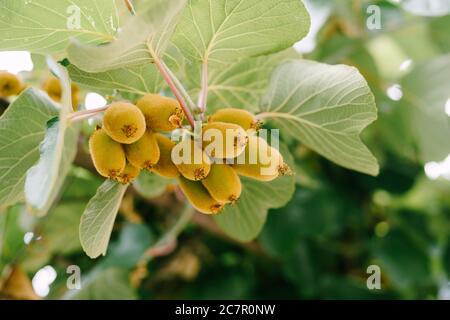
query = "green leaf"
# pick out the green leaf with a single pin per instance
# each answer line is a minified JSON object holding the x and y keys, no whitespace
{"x":99,"y":216}
{"x":44,"y":180}
{"x":22,"y":128}
{"x":425,"y":94}
{"x":150,"y":185}
{"x":58,"y":151}
{"x":403,"y":260}
{"x":109,"y":284}
{"x":43,"y":26}
{"x":242,"y":84}
{"x":245,"y":220}
{"x":222,"y":31}
{"x":139,"y":80}
{"x":326,"y":108}
{"x":143,"y":38}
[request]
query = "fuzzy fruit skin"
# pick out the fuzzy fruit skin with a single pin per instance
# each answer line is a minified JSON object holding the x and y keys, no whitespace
{"x":241,"y":117}
{"x":219,"y":130}
{"x":53,"y":88}
{"x":274,"y":164}
{"x":199,"y":197}
{"x":129,"y":174}
{"x":10,"y":84}
{"x":124,"y":122}
{"x":108,"y":155}
{"x":223,"y":183}
{"x":161,"y":113}
{"x":165,"y":167}
{"x":196,"y":167}
{"x":144,"y":153}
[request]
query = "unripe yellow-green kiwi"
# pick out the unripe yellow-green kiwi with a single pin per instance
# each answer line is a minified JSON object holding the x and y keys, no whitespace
{"x":108,"y":155}
{"x":124,"y":122}
{"x":165,"y":167}
{"x":260,"y":161}
{"x":241,"y":117}
{"x":144,"y":153}
{"x":223,"y":140}
{"x":223,"y":183}
{"x":10,"y":85}
{"x":53,"y":88}
{"x":161,"y":113}
{"x":199,"y":197}
{"x":129,"y":174}
{"x":190,"y":160}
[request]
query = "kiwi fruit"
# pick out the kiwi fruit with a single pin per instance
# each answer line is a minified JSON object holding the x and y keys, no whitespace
{"x":223,"y":183}
{"x":241,"y":117}
{"x":108,"y":155}
{"x":190,"y":160}
{"x":124,"y":122}
{"x":144,"y":153}
{"x":161,"y":113}
{"x":165,"y":167}
{"x":199,"y":197}
{"x":223,"y":140}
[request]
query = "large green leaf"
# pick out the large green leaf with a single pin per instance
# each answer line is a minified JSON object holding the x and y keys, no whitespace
{"x":22,"y":128}
{"x":326,"y":108}
{"x":139,"y":80}
{"x":99,"y":216}
{"x":58,"y":151}
{"x":245,"y":220}
{"x":144,"y":37}
{"x":45,"y":26}
{"x":222,"y":31}
{"x":243,"y":83}
{"x":426,"y":91}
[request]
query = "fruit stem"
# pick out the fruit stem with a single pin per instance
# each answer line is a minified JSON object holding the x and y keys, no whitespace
{"x":84,"y":114}
{"x":130,"y":7}
{"x":166,"y":75}
{"x":203,"y":96}
{"x":168,"y":242}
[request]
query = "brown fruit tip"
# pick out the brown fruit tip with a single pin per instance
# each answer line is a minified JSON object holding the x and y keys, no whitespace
{"x":199,"y":174}
{"x":257,"y":125}
{"x":233,"y":199}
{"x":125,"y":179}
{"x":215,"y":209}
{"x":113,"y":174}
{"x":129,"y":131}
{"x":175,"y":120}
{"x":285,"y":170}
{"x":148,"y":166}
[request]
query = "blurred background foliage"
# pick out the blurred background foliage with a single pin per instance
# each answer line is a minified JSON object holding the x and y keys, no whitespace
{"x":338,"y":223}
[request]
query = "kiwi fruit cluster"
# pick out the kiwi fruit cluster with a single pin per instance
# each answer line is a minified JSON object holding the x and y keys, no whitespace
{"x":132,"y":138}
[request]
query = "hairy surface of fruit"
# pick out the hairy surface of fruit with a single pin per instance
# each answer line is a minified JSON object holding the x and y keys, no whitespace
{"x":54,"y":90}
{"x":144,"y":153}
{"x":10,"y":85}
{"x":161,"y":113}
{"x":190,"y":160}
{"x":241,"y":117}
{"x":223,"y":140}
{"x":129,"y":174}
{"x":124,"y":122}
{"x":199,"y":197}
{"x":165,"y":167}
{"x":260,"y":161}
{"x":108,"y":155}
{"x":223,"y":183}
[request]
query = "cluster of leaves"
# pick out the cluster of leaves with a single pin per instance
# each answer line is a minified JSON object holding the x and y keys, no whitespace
{"x":336,"y":222}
